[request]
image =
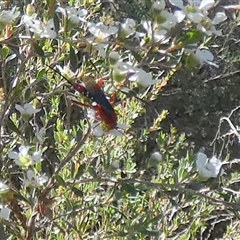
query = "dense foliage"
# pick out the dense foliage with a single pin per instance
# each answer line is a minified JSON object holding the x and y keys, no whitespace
{"x":85,"y":151}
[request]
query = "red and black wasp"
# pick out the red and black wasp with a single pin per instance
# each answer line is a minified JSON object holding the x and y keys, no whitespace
{"x":104,"y":111}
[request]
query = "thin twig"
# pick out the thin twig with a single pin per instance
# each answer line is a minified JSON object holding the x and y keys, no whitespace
{"x":222,"y":76}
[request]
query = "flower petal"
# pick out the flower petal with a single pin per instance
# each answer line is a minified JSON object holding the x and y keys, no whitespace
{"x":220,"y":17}
{"x":19,"y":108}
{"x":177,"y":3}
{"x":23,"y":150}
{"x":201,"y":160}
{"x":214,"y":165}
{"x":180,"y":15}
{"x":37,"y":157}
{"x":5,"y":213}
{"x":13,"y":155}
{"x":159,"y":5}
{"x":204,"y":55}
{"x":206,"y":4}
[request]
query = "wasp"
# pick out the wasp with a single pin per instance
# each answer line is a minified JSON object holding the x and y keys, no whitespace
{"x":104,"y":111}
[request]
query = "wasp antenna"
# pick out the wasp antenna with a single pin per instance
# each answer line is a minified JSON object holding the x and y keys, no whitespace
{"x":52,"y":68}
{"x":91,"y":62}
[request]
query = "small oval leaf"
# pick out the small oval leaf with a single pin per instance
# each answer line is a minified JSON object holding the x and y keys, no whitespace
{"x":77,"y":192}
{"x":60,"y":181}
{"x":73,"y":58}
{"x":11,"y":125}
{"x":80,"y":171}
{"x":38,"y":49}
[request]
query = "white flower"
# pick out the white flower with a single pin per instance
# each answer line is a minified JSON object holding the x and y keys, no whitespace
{"x":142,"y":78}
{"x":27,"y":109}
{"x":205,"y":56}
{"x":194,"y":11}
{"x":219,"y":17}
{"x":170,"y":20}
{"x":115,"y":164}
{"x":7,"y":16}
{"x":75,"y":15}
{"x":208,"y":168}
{"x":197,"y":12}
{"x":37,"y":26}
{"x":157,"y":156}
{"x":101,"y":31}
{"x":121,"y":70}
{"x":160,"y":35}
{"x":100,"y":47}
{"x":5,"y":212}
{"x":128,"y":27}
{"x":113,"y":58}
{"x":155,"y":31}
{"x":23,"y":158}
{"x":66,"y":71}
{"x":40,"y":134}
{"x":99,"y":128}
{"x":34,"y":180}
{"x":49,"y":30}
{"x":207,"y":25}
{"x":164,"y":18}
{"x":155,"y":159}
{"x":4,"y":188}
{"x":205,"y":5}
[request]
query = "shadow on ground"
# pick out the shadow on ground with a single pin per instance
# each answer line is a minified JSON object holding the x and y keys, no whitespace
{"x":196,"y":105}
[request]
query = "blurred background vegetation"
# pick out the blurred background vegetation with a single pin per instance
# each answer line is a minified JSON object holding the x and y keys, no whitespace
{"x":109,"y":187}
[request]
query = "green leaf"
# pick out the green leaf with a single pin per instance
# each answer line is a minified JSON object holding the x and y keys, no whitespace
{"x":77,"y":191}
{"x":152,"y":233}
{"x":38,"y":49}
{"x":80,"y":171}
{"x":11,"y":125}
{"x":60,"y":181}
{"x":129,"y":188}
{"x":56,"y":22}
{"x":27,"y":93}
{"x":73,"y":58}
{"x":191,"y":61}
{"x":192,"y":37}
{"x":117,"y":195}
{"x":41,"y":73}
{"x":129,"y":92}
{"x":5,"y":51}
{"x":38,"y":166}
{"x":137,"y":56}
{"x":92,"y":172}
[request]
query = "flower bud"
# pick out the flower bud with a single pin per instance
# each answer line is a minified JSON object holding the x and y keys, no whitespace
{"x":113,"y":58}
{"x":119,"y":72}
{"x":157,"y":7}
{"x":155,"y":159}
{"x":30,"y":10}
